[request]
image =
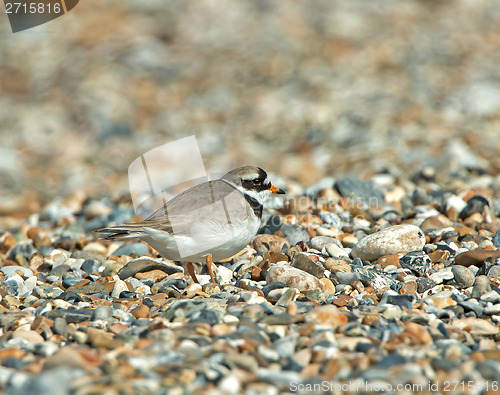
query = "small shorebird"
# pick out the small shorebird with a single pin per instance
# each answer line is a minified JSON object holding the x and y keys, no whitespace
{"x":208,"y":222}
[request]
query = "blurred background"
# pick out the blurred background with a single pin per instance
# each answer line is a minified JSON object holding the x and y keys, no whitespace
{"x":304,"y":89}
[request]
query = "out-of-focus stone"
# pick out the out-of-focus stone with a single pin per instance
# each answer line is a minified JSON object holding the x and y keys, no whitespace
{"x":328,"y":316}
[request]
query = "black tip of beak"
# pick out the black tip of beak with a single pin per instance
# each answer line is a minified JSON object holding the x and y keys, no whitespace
{"x":281,"y":192}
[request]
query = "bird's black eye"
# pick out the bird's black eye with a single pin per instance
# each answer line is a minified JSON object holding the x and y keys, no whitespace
{"x":255,"y":181}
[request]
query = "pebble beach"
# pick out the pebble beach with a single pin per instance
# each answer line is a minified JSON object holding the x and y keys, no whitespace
{"x":377,"y":272}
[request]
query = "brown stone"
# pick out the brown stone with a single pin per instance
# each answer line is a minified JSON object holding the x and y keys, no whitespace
{"x":329,"y":285}
{"x":306,"y":329}
{"x":336,"y":265}
{"x":41,"y":324}
{"x":305,"y":263}
{"x":491,"y":354}
{"x":463,"y":230}
{"x":210,"y":288}
{"x":70,"y":357}
{"x":41,"y":239}
{"x":118,"y":327}
{"x":342,"y":300}
{"x":436,"y":222}
{"x":7,"y":241}
{"x":275,"y":257}
{"x":442,"y":299}
{"x":408,"y":288}
{"x":222,"y":329}
{"x":476,"y":257}
{"x":264,"y":243}
{"x":29,"y":336}
{"x":100,"y":338}
{"x":79,"y":284}
{"x":476,"y":326}
{"x":308,"y":220}
{"x":155,"y":274}
{"x":141,"y":311}
{"x":474,"y":219}
{"x":438,"y":255}
{"x":370,"y":319}
{"x":418,"y":334}
{"x":392,"y":259}
{"x":401,"y":276}
{"x":256,"y":271}
{"x":358,"y":286}
{"x":348,"y":240}
{"x":327,"y":315}
{"x":16,"y":353}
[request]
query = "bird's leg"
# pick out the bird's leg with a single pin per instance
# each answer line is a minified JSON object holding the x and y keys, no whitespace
{"x":210,"y":269}
{"x":190,"y":269}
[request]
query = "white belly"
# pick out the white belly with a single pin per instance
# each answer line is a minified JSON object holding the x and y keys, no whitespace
{"x":219,"y":240}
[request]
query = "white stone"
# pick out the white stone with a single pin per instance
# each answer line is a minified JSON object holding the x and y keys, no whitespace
{"x":392,"y":240}
{"x":294,"y":277}
{"x":334,"y":250}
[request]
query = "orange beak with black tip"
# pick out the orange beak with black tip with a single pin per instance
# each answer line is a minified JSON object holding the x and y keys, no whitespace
{"x":277,"y":190}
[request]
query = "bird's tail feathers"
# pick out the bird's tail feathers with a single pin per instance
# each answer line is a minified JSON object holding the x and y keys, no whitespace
{"x":120,"y":232}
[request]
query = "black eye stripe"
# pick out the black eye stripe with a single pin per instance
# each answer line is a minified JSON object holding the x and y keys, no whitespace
{"x":259,"y":186}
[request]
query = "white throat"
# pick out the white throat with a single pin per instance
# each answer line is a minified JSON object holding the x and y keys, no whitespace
{"x":260,"y":196}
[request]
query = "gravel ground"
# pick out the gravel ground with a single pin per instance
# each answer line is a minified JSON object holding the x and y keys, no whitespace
{"x":380,"y":270}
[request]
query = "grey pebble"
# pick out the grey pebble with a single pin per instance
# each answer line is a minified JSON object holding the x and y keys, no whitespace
{"x":280,"y":378}
{"x":424,"y":284}
{"x":481,"y":286}
{"x":47,"y":292}
{"x":70,"y":316}
{"x":496,"y":239}
{"x":494,"y":271}
{"x":91,"y":265}
{"x":288,"y":296}
{"x":463,"y":276}
{"x":471,"y":306}
{"x":295,"y":233}
{"x":136,"y":248}
{"x":489,"y":369}
{"x":491,"y":296}
{"x":330,"y":218}
{"x":319,"y":242}
{"x":44,"y":383}
{"x":60,"y":327}
{"x":351,"y":187}
{"x":346,"y":277}
{"x":492,"y":310}
{"x":15,"y":285}
{"x":102,"y":313}
{"x":24,"y":248}
{"x":303,"y":262}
